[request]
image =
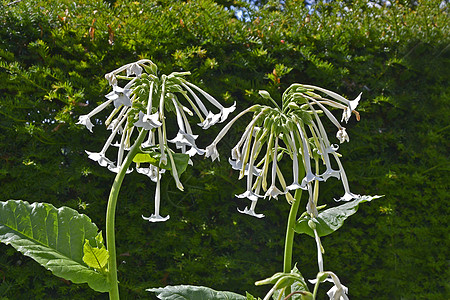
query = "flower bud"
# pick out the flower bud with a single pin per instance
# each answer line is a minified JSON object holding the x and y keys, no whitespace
{"x":311,"y":224}
{"x":264,"y":94}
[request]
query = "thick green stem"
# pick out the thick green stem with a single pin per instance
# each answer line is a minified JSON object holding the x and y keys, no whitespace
{"x":287,"y":263}
{"x":110,"y":217}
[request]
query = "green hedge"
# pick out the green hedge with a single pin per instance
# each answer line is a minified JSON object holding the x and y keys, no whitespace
{"x":54,"y":54}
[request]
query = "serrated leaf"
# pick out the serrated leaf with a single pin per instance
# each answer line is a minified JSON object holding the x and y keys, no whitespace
{"x":95,"y":257}
{"x":52,"y":237}
{"x":331,"y":219}
{"x":189,"y":292}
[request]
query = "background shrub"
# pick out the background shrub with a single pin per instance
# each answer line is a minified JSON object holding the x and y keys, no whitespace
{"x":53,"y":55}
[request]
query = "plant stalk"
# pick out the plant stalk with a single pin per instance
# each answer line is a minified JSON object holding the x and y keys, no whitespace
{"x":289,"y":243}
{"x":111,"y":214}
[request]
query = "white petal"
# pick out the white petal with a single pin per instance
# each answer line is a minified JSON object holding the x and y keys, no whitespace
{"x":251,"y":213}
{"x":226,"y":111}
{"x":86,"y":121}
{"x":211,"y":151}
{"x":156,"y":218}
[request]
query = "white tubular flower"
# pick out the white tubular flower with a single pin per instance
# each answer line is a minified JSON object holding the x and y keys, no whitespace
{"x":338,"y":291}
{"x":120,"y":96}
{"x":211,"y":151}
{"x":86,"y":121}
{"x":273,"y":191}
{"x":326,"y":148}
{"x":237,"y":165}
{"x":224,"y":112}
{"x":100,"y":158}
{"x":342,"y":135}
{"x":116,"y":169}
{"x":319,"y":248}
{"x":249,"y":193}
{"x":306,"y":158}
{"x":184,"y":138}
{"x":295,"y":185}
{"x":156,"y":217}
{"x":111,"y":77}
{"x":134,"y":68}
{"x":210,"y":120}
{"x":148,"y":122}
{"x":251,"y":211}
{"x":151,"y":172}
{"x":347,"y":195}
{"x":352,"y":104}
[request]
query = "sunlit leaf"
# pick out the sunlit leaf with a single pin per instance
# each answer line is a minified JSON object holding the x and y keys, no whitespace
{"x":331,"y":219}
{"x":52,"y":237}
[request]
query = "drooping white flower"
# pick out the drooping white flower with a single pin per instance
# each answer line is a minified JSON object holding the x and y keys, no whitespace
{"x":148,"y":122}
{"x":210,"y":120}
{"x":249,"y":194}
{"x":352,"y":104}
{"x":211,"y":151}
{"x":273,"y":191}
{"x":347,"y":194}
{"x":111,"y":77}
{"x":184,"y":137}
{"x":151,"y":172}
{"x":295,"y":185}
{"x":342,"y":135}
{"x":224,"y":112}
{"x":309,"y":177}
{"x":86,"y":121}
{"x":237,"y":165}
{"x":338,"y":291}
{"x":156,"y":217}
{"x":119,"y":96}
{"x":251,"y":211}
{"x":100,"y":158}
{"x":134,"y":68}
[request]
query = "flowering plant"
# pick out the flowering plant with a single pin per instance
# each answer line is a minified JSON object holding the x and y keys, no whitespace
{"x":71,"y":246}
{"x":295,"y":130}
{"x":138,"y":120}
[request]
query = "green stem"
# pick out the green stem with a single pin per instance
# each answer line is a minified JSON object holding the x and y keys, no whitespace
{"x":289,"y":243}
{"x":110,"y":217}
{"x":316,"y":288}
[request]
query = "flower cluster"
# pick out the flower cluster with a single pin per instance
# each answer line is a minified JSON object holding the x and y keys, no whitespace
{"x":139,"y":113}
{"x":294,"y":129}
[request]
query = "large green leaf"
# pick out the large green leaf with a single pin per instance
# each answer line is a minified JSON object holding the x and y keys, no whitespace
{"x":53,"y":237}
{"x":331,"y":219}
{"x":189,"y":292}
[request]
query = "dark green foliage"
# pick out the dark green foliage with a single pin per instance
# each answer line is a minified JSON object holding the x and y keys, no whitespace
{"x":54,"y":54}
